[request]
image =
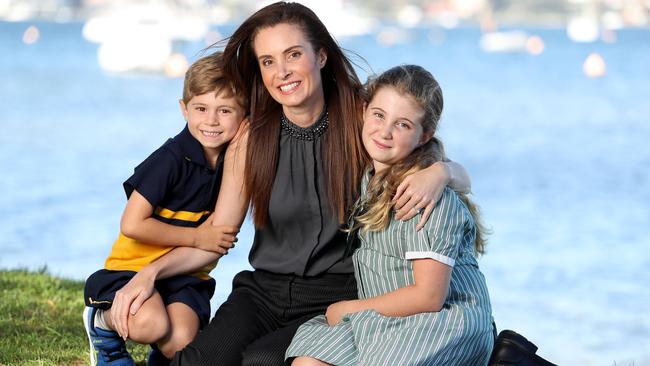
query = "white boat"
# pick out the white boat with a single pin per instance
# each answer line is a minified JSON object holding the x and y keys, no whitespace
{"x":504,"y":41}
{"x":140,"y":37}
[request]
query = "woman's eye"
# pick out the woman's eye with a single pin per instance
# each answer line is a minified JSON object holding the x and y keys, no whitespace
{"x":266,"y":62}
{"x":294,"y":54}
{"x":403,"y":125}
{"x":378,"y":115}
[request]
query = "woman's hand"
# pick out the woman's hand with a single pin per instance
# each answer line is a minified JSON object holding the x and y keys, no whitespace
{"x":419,"y":192}
{"x":129,"y":299}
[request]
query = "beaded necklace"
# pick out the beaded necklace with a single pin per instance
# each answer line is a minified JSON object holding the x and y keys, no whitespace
{"x":305,"y":133}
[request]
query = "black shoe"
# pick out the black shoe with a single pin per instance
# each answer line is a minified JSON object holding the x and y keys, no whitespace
{"x":513,"y":349}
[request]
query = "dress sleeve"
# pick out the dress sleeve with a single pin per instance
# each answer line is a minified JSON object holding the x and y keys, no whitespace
{"x":442,"y":235}
{"x":153,"y":177}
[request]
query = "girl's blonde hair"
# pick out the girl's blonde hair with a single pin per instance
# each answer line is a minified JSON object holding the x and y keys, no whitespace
{"x":373,"y":211}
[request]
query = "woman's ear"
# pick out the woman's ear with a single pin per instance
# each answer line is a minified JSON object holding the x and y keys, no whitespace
{"x":322,"y":57}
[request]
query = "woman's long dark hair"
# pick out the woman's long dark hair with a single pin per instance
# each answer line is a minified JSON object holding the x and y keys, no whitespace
{"x":343,"y":153}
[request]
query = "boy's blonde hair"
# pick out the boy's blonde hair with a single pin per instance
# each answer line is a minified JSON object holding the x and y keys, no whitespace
{"x":374,"y":211}
{"x":206,"y":75}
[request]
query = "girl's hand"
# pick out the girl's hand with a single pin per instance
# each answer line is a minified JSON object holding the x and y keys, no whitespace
{"x":336,"y":311}
{"x":419,"y":192}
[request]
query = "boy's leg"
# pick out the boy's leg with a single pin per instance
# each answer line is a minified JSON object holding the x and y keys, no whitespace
{"x":106,"y":346}
{"x":184,"y":326}
{"x":150,"y":324}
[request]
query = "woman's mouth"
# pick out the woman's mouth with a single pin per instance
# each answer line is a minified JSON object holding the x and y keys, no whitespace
{"x":289,"y":88}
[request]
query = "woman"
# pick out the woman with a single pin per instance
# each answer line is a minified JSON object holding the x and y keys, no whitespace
{"x":300,"y":162}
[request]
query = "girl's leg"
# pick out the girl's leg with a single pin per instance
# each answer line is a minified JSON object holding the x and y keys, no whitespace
{"x":149,"y":324}
{"x":308,"y":361}
{"x":184,"y":326}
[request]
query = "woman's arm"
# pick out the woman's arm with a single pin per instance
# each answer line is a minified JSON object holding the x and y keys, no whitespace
{"x":427,"y":294}
{"x":423,"y":189}
{"x":230,"y":210}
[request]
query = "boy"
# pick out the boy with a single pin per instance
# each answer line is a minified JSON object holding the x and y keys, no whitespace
{"x":169,"y":196}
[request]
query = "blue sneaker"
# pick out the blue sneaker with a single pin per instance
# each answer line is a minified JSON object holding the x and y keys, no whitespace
{"x":106,"y":346}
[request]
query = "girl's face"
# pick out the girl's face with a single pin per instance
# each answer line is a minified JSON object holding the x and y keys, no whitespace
{"x":290,"y":68}
{"x":392,"y":127}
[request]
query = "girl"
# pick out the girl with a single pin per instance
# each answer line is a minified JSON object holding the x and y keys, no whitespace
{"x":422,"y":299}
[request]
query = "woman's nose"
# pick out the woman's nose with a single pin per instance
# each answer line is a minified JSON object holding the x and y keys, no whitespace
{"x":283,"y":70}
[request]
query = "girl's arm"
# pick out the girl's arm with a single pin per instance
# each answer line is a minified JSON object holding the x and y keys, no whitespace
{"x":423,"y":189}
{"x":427,"y":294}
{"x":230,"y":210}
{"x":137,"y":223}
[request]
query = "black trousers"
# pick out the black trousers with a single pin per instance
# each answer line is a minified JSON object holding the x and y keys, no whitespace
{"x":258,"y":320}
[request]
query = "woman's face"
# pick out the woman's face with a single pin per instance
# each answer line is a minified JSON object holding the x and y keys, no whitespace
{"x":392,"y":127}
{"x":290,"y":68}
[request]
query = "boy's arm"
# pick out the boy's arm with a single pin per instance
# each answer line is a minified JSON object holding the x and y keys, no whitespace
{"x":138,"y":223}
{"x":230,"y":209}
{"x":427,"y":294}
{"x":422,"y":190}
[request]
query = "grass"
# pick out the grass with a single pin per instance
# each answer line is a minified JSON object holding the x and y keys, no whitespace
{"x":40,"y":321}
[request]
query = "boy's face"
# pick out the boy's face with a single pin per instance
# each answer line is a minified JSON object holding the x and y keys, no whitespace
{"x":213,"y":120}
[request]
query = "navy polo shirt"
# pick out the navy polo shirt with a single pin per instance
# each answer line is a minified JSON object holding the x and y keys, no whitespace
{"x":177,"y":181}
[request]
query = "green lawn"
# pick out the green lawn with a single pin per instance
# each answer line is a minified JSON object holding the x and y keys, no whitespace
{"x":40,"y":321}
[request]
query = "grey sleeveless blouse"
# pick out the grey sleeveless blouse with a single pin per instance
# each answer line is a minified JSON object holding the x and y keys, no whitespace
{"x":302,"y":235}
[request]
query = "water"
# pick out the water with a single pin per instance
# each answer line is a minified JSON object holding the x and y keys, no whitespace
{"x":560,"y":165}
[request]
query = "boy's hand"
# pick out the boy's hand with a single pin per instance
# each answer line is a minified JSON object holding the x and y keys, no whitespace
{"x":216,"y":239}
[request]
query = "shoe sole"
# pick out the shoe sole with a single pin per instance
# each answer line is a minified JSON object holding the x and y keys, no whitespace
{"x":93,"y":361}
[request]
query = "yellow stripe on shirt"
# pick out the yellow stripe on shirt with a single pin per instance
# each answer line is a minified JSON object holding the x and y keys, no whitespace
{"x":180,"y":215}
{"x":129,"y":254}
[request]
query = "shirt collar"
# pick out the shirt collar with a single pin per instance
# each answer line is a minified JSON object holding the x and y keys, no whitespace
{"x":190,"y":147}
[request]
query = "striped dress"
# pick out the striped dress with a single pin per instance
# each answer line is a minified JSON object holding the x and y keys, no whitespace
{"x":459,"y":334}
